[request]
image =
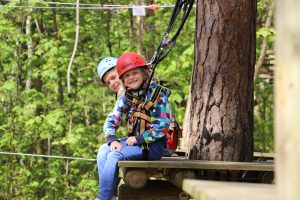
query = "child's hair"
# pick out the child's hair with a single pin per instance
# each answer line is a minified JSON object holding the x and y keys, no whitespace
{"x":146,"y":74}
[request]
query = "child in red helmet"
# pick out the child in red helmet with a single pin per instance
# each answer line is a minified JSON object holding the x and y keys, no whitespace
{"x":148,"y":119}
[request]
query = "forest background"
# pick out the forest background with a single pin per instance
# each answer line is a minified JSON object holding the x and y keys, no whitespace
{"x":38,"y":117}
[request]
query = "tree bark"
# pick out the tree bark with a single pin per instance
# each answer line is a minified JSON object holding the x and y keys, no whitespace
{"x":108,"y":32}
{"x":287,"y":98}
{"x":222,"y":81}
{"x":29,"y":51}
{"x":150,"y":28}
{"x":140,"y":29}
{"x":186,"y":128}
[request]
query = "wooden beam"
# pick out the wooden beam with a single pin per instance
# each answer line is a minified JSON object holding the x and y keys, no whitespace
{"x":264,"y":155}
{"x":219,"y":190}
{"x":287,"y":98}
{"x":200,"y":164}
{"x":176,"y":177}
{"x":135,"y":178}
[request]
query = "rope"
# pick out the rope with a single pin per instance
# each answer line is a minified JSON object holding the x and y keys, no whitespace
{"x":181,"y":5}
{"x":47,"y":156}
{"x":74,"y":50}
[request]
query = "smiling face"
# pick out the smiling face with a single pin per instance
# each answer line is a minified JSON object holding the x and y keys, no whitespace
{"x":112,"y":81}
{"x":133,"y":79}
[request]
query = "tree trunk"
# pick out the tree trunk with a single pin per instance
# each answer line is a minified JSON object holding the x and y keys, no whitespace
{"x":150,"y":28}
{"x":108,"y":25}
{"x":140,"y":29}
{"x":222,"y":81}
{"x":287,"y":98}
{"x":29,"y":51}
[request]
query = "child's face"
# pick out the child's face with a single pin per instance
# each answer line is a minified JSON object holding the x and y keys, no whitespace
{"x":112,"y":81}
{"x":133,"y":79}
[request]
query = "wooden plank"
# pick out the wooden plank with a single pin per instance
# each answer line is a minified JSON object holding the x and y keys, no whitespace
{"x":219,"y":190}
{"x":178,"y":158}
{"x":199,"y":164}
{"x":264,"y":155}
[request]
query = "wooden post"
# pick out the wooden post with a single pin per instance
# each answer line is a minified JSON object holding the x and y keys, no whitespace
{"x":135,"y":178}
{"x":287,"y":99}
{"x":176,"y":177}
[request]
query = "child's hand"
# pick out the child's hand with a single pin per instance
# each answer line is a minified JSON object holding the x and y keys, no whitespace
{"x":131,"y":141}
{"x":115,"y":146}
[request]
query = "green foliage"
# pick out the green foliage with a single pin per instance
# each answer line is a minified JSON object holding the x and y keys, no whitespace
{"x":263,"y":120}
{"x":42,"y":119}
{"x":263,"y":93}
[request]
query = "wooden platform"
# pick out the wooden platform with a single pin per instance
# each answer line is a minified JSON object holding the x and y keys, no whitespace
{"x":199,"y":164}
{"x":261,"y":156}
{"x":219,"y":190}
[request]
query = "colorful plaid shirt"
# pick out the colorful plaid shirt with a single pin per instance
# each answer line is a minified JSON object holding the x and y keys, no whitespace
{"x":156,"y":129}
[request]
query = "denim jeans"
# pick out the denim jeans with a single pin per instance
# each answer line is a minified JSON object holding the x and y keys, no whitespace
{"x":107,"y":162}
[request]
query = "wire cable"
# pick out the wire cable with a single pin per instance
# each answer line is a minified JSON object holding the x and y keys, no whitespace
{"x":47,"y":156}
{"x":99,"y":5}
{"x":84,"y":8}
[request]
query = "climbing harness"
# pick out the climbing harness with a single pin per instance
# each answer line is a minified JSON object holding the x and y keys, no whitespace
{"x":161,"y":52}
{"x":137,"y":123}
{"x":142,"y":111}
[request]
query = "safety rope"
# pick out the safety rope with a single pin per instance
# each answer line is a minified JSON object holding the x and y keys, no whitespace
{"x":47,"y":156}
{"x":74,"y":49}
{"x":181,"y":5}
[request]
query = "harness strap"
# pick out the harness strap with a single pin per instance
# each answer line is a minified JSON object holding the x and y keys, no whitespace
{"x":136,"y":101}
{"x":154,"y":95}
{"x":142,"y":110}
{"x":148,"y":105}
{"x":129,"y":96}
{"x":132,"y":98}
{"x":141,"y":115}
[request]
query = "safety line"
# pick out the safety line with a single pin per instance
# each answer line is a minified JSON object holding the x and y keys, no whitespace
{"x":83,"y":8}
{"x":47,"y":156}
{"x":82,"y":4}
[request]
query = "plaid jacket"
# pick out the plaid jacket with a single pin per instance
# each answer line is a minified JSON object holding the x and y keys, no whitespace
{"x":155,"y":129}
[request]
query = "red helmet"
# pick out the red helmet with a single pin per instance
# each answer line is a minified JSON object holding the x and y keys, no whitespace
{"x":128,"y":61}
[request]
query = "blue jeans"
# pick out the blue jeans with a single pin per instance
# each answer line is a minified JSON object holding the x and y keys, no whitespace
{"x":107,"y":162}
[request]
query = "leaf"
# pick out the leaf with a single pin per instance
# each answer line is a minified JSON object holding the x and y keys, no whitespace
{"x":9,"y":86}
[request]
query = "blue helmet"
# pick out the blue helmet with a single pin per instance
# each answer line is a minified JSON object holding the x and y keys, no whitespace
{"x":105,"y":65}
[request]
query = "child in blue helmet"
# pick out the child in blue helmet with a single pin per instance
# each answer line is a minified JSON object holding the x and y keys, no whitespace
{"x":109,"y":76}
{"x":146,"y":135}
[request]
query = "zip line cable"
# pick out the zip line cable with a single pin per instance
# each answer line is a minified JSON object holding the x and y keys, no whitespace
{"x":46,"y":156}
{"x":98,"y":5}
{"x":55,"y":3}
{"x":87,"y":8}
